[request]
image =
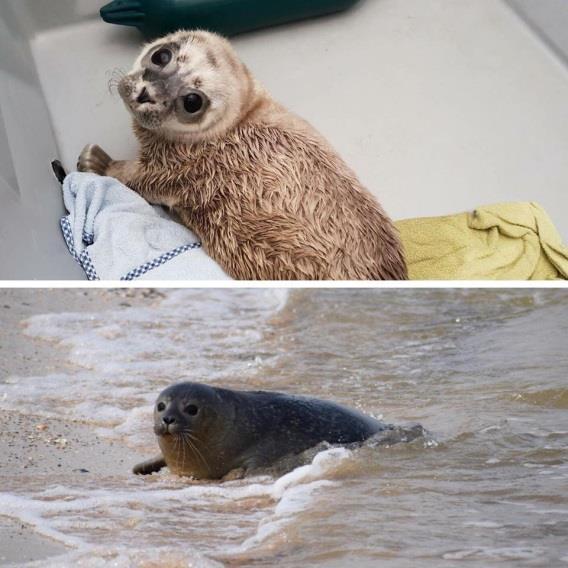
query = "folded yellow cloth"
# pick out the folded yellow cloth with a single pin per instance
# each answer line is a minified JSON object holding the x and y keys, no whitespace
{"x":506,"y":241}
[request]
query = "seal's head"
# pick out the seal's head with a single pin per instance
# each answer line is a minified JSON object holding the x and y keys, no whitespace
{"x":189,"y":85}
{"x":191,"y":421}
{"x":185,"y":408}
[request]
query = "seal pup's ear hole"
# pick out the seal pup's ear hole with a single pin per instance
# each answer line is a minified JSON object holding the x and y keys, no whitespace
{"x":191,"y":409}
{"x":160,"y":406}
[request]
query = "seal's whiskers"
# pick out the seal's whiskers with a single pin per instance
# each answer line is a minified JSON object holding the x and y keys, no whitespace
{"x":116,"y":77}
{"x":192,"y":443}
{"x":179,"y":450}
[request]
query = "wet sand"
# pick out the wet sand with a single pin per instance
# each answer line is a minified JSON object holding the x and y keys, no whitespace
{"x":41,"y":447}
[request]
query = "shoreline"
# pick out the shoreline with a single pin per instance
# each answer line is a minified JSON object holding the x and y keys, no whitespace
{"x":41,"y":448}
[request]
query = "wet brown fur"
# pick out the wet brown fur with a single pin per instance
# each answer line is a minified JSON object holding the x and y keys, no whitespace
{"x":269,"y":198}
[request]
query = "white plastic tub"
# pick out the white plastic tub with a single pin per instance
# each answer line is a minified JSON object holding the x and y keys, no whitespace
{"x":450,"y":104}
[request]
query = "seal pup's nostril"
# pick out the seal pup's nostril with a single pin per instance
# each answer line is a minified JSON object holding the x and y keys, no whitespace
{"x":168,"y":420}
{"x":144,"y":97}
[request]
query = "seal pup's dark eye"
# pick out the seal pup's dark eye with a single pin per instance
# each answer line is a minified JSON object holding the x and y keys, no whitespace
{"x":160,"y":406}
{"x":192,"y":103}
{"x":191,"y":106}
{"x":191,"y":409}
{"x":162,"y":57}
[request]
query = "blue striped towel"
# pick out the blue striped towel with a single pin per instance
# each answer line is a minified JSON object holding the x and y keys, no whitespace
{"x":114,"y":234}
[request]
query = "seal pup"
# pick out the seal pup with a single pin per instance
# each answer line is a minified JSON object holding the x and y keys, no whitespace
{"x":265,"y":192}
{"x":206,"y":432}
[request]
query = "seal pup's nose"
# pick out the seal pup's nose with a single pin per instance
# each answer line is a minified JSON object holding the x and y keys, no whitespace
{"x":144,"y":97}
{"x":168,"y":420}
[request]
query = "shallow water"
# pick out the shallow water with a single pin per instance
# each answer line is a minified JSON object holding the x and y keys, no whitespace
{"x":485,"y":371}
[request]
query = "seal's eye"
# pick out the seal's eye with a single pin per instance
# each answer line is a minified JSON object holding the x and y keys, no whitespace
{"x":191,"y":106}
{"x":192,"y":103}
{"x":191,"y":409}
{"x":162,"y":57}
{"x":160,"y":406}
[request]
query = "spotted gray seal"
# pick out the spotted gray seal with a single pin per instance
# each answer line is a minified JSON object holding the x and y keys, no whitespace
{"x":206,"y":432}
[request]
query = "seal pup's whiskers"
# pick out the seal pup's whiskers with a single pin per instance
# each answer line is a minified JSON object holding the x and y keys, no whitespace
{"x":179,"y":448}
{"x":184,"y":448}
{"x":192,"y":443}
{"x":192,"y":447}
{"x":117,"y":75}
{"x":196,"y":440}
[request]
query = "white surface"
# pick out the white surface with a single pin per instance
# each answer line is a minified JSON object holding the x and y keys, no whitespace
{"x":30,"y":199}
{"x":438,"y":105}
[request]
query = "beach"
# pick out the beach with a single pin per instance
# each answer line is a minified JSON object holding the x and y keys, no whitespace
{"x":42,"y":447}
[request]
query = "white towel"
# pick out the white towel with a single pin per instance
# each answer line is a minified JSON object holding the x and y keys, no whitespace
{"x":114,"y":234}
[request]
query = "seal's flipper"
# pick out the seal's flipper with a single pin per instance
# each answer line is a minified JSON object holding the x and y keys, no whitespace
{"x":93,"y":159}
{"x":149,"y":466}
{"x":396,"y":435}
{"x":238,"y":473}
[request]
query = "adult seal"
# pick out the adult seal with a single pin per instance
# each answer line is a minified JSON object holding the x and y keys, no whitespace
{"x":206,"y":432}
{"x":266,"y":193}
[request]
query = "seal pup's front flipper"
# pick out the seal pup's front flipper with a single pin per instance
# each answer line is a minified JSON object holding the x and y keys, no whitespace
{"x":149,"y":466}
{"x":238,"y":473}
{"x":397,"y":435}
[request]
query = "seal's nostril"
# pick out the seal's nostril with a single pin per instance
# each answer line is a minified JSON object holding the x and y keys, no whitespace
{"x":168,"y":420}
{"x":144,"y":97}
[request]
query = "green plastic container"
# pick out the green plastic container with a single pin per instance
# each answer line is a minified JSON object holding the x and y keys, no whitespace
{"x":228,"y":17}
